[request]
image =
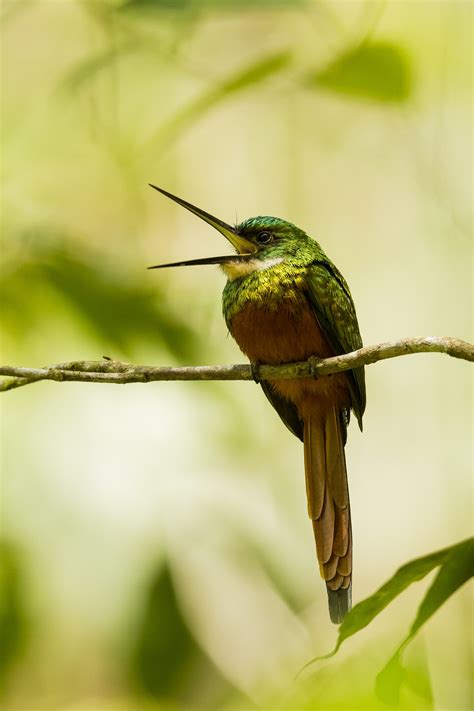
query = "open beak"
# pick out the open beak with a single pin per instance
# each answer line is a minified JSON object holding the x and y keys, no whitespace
{"x":244,"y":248}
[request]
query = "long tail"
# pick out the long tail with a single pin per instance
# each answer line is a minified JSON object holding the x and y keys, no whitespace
{"x":328,"y":507}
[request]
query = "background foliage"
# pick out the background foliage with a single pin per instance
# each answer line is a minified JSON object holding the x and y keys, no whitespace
{"x":156,"y":552}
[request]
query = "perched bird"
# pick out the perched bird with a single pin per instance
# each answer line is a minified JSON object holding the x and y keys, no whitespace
{"x":285,"y":301}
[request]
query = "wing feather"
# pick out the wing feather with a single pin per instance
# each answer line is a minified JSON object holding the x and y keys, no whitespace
{"x":332,"y":305}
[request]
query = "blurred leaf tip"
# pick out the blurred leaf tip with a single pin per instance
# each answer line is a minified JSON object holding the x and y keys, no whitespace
{"x":166,"y":662}
{"x":379,"y":71}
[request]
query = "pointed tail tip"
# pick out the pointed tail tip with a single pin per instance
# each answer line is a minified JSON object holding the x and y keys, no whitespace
{"x":340,"y":603}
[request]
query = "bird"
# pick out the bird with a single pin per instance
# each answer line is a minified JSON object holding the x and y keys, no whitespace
{"x":285,"y":301}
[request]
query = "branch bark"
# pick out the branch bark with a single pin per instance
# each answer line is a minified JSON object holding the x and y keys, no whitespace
{"x":112,"y":371}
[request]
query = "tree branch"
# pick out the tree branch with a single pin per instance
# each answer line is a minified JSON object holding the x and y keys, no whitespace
{"x":111,"y":371}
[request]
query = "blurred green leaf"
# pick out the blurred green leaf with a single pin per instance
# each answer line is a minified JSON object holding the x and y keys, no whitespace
{"x":89,"y":68}
{"x":166,"y":662}
{"x":114,"y":304}
{"x":12,"y":615}
{"x":157,"y":5}
{"x":263,"y":556}
{"x":164,"y":649}
{"x":10,"y":8}
{"x":414,"y":676}
{"x":456,"y":569}
{"x":255,"y":73}
{"x":417,"y":676}
{"x":252,"y":74}
{"x":146,"y":5}
{"x":348,"y":685}
{"x":377,"y":71}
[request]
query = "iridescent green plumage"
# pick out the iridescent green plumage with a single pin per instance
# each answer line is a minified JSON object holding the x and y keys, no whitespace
{"x":307,"y":270}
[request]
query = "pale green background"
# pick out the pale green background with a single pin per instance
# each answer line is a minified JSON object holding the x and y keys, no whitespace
{"x":101,"y":483}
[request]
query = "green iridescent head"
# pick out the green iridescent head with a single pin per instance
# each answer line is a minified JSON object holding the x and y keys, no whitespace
{"x":270,"y":235}
{"x":255,"y":238}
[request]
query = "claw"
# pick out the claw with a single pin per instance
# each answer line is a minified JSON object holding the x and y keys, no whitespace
{"x":313,"y":361}
{"x":254,"y":367}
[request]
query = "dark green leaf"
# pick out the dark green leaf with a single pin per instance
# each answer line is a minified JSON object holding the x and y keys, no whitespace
{"x":364,"y":612}
{"x":456,"y":569}
{"x":377,"y":71}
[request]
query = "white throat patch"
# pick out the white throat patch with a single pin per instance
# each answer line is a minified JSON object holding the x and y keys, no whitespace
{"x":236,"y":270}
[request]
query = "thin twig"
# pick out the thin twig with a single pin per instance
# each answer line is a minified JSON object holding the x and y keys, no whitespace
{"x":112,"y":371}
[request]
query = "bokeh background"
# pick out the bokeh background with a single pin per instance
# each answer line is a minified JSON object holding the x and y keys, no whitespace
{"x":156,"y":548}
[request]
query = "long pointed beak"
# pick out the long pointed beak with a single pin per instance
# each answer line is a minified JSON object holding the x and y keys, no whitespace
{"x":225,"y":259}
{"x":243,"y":246}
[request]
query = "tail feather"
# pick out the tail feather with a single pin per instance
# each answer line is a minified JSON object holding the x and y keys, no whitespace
{"x":328,"y":506}
{"x":324,"y":526}
{"x":315,"y":485}
{"x":341,"y":532}
{"x":336,"y":460}
{"x":340,"y":603}
{"x":330,"y":568}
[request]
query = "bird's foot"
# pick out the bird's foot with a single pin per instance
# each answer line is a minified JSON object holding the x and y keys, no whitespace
{"x":255,"y":368}
{"x":313,"y":362}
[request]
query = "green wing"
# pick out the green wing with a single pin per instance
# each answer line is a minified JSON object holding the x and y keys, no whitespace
{"x":331,"y":302}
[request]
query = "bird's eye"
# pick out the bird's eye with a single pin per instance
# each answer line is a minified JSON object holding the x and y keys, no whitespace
{"x":264,"y":237}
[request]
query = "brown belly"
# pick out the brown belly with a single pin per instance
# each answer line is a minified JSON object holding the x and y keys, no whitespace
{"x":285,"y":334}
